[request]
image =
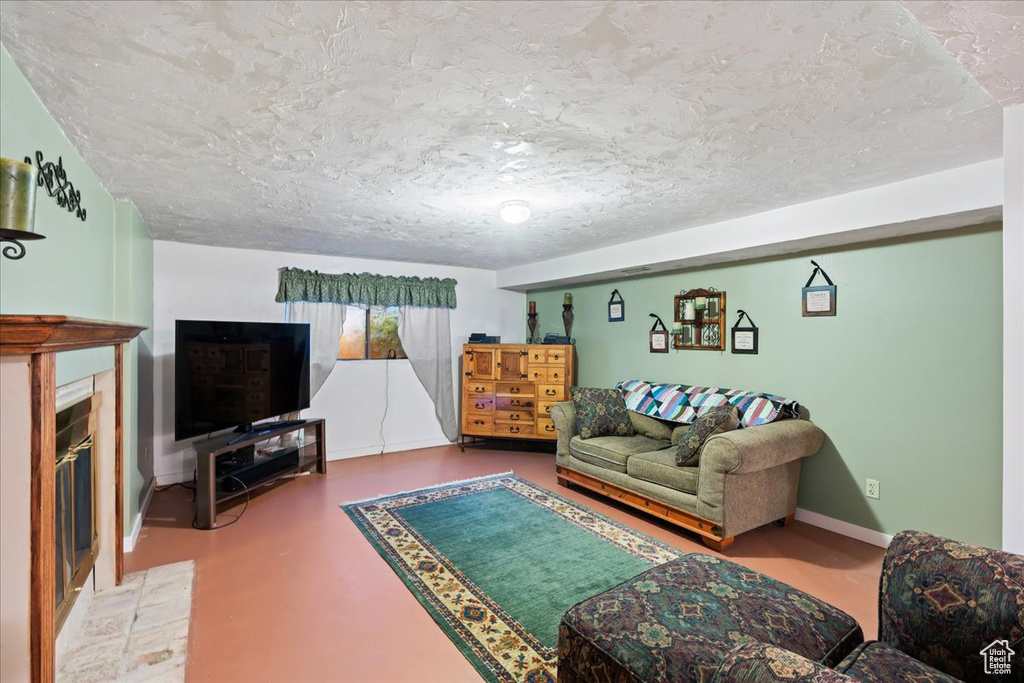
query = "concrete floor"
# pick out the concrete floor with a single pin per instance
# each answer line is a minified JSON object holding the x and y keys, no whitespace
{"x":294,"y":593}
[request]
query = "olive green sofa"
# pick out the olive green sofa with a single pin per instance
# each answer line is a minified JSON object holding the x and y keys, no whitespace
{"x":745,"y":479}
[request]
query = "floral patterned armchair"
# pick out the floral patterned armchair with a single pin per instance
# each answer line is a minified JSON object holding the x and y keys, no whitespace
{"x":941,"y":604}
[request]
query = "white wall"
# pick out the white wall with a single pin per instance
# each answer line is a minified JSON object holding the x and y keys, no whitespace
{"x":968,"y":195}
{"x":1013,"y":328}
{"x":215,"y":283}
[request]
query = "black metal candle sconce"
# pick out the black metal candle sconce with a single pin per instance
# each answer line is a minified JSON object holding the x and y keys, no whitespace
{"x":55,"y":179}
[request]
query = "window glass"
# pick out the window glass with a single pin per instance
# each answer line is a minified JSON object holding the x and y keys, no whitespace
{"x":352,"y":345}
{"x":384,"y":342}
{"x":370,"y":334}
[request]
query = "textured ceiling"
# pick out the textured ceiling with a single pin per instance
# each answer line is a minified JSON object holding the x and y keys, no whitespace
{"x":986,"y":36}
{"x":395,"y":130}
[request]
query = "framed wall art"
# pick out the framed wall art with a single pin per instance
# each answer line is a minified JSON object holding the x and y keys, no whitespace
{"x":819,"y":300}
{"x":659,"y":337}
{"x":616,"y":308}
{"x":744,"y":339}
{"x":700,"y":318}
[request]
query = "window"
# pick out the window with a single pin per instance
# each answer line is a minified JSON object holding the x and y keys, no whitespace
{"x":370,"y":334}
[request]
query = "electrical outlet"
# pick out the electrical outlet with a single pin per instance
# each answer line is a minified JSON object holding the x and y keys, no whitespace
{"x":871,"y":490}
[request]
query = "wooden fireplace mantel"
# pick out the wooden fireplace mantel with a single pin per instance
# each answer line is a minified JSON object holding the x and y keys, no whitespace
{"x":41,"y":337}
{"x":28,"y":334}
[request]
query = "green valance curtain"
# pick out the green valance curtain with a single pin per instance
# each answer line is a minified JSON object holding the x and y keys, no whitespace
{"x":295,"y":284}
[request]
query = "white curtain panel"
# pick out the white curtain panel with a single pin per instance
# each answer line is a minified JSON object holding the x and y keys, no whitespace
{"x":426,"y":336}
{"x":326,"y":321}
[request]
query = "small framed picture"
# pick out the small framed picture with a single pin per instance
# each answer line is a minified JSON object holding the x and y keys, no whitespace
{"x":819,"y":301}
{"x":744,"y":338}
{"x":659,"y":341}
{"x":616,"y":308}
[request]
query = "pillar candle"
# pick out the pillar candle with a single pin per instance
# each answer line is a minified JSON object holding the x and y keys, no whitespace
{"x":533,"y":307}
{"x":17,"y":195}
{"x":567,"y":301}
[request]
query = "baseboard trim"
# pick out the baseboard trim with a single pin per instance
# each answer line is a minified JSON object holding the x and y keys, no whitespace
{"x":389,"y":447}
{"x":838,"y":526}
{"x":133,"y":536}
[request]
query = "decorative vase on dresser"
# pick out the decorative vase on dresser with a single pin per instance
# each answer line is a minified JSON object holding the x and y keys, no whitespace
{"x":508,"y":389}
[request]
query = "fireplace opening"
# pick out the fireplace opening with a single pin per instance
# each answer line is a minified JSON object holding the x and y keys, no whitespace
{"x":75,"y":502}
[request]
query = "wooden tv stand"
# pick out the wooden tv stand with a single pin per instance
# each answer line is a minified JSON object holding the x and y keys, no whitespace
{"x":310,"y":445}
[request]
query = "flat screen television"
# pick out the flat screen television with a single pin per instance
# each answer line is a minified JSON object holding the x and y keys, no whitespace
{"x":232,"y":374}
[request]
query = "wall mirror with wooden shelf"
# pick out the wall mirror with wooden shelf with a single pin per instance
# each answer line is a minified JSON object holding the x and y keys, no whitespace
{"x":700,"y":320}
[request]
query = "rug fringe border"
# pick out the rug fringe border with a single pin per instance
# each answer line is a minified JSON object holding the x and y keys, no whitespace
{"x":426,"y":488}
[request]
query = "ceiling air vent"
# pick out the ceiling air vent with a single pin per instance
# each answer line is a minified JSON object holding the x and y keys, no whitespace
{"x":637,"y":270}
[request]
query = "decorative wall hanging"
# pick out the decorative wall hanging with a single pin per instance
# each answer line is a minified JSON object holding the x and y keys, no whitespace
{"x":700,"y":314}
{"x":55,"y":179}
{"x":821,"y":300}
{"x":659,"y":338}
{"x":744,"y":339}
{"x":616,"y":308}
{"x":567,"y":317}
{"x":17,"y":206}
{"x":531,"y":322}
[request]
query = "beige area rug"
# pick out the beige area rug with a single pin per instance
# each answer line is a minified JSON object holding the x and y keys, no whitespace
{"x":137,"y":631}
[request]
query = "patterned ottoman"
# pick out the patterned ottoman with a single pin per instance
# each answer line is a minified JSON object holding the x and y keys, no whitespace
{"x":678,"y":621}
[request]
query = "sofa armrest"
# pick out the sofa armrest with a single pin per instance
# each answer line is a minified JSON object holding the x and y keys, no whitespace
{"x":766,"y":664}
{"x":564,"y":416}
{"x":760,"y":448}
{"x":943,"y":601}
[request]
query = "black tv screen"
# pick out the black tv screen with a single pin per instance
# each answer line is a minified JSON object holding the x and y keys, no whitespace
{"x":228,"y":374}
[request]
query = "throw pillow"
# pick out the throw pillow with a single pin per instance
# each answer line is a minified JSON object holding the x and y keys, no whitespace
{"x":678,"y":433}
{"x":601,"y":412}
{"x":650,"y":427}
{"x":724,"y":419}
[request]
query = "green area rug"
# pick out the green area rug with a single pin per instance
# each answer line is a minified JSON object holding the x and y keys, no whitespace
{"x":497,"y":561}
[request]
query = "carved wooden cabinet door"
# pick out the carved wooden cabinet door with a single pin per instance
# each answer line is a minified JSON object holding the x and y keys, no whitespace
{"x":479,"y":363}
{"x":512,"y":363}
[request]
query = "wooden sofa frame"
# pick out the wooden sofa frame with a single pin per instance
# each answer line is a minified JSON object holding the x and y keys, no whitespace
{"x":709,"y":531}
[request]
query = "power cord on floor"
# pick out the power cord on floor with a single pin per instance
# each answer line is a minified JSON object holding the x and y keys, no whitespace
{"x":237,"y":517}
{"x":387,"y":396}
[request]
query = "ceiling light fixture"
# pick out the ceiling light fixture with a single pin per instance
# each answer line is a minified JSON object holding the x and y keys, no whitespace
{"x":515,"y":211}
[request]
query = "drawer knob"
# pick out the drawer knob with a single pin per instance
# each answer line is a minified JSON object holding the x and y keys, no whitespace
{"x":513,"y":390}
{"x":479,"y":406}
{"x":550,"y":392}
{"x":549,"y":428}
{"x":514,"y":430}
{"x":514,"y":416}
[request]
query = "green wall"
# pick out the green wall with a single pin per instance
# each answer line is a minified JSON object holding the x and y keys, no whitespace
{"x":101,"y":268}
{"x":133,"y":302}
{"x":905,"y":380}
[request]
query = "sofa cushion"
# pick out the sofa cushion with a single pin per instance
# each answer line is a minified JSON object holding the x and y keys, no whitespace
{"x":601,"y":412}
{"x":612,"y":452}
{"x":703,"y":428}
{"x":680,"y":620}
{"x":660,"y":467}
{"x":877,"y":662}
{"x":649,"y":426}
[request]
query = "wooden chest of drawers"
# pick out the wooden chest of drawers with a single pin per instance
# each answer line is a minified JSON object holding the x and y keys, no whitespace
{"x":508,"y":389}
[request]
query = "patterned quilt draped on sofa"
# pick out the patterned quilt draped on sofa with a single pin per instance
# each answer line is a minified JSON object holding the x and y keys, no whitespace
{"x":684,"y":403}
